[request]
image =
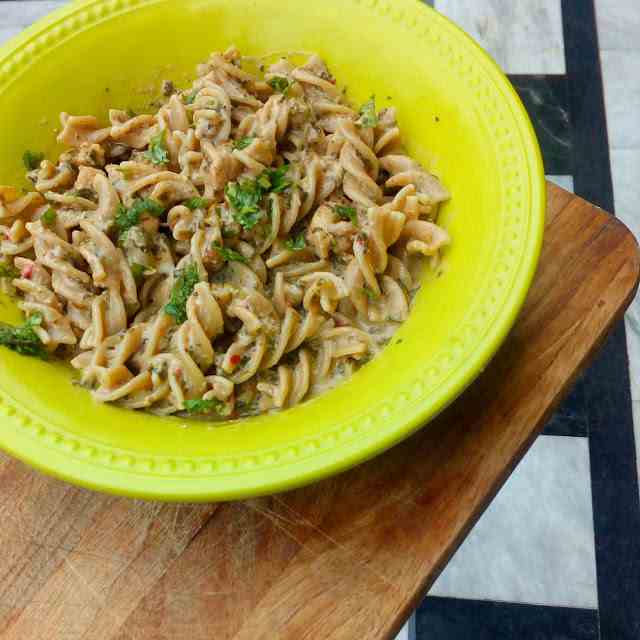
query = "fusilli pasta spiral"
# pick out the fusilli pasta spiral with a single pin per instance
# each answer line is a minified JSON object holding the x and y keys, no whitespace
{"x":247,"y":246}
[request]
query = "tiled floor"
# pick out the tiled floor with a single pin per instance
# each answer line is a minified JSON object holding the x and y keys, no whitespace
{"x":519,"y":552}
{"x":566,"y":182}
{"x":556,"y":555}
{"x":542,"y":555}
{"x":619,"y":34}
{"x":525,"y":36}
{"x":622,"y":96}
{"x":618,"y":25}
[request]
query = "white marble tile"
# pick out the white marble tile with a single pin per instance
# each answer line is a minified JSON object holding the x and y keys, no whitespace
{"x":8,"y":32}
{"x":404,"y":633}
{"x":618,"y":24}
{"x":625,"y":169}
{"x":22,"y":14}
{"x":534,"y":544}
{"x":633,"y":349}
{"x":621,"y":78}
{"x":566,"y":182}
{"x":524,"y":36}
{"x":16,"y":16}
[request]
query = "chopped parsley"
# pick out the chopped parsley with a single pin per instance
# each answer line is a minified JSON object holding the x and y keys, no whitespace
{"x":279,"y":84}
{"x":296,"y":243}
{"x":127,"y":218}
{"x":8,"y":271}
{"x":368,"y":116}
{"x":197,"y":203}
{"x":137,"y":270}
{"x":131,"y":113}
{"x":32,"y":159}
{"x":243,"y":143}
{"x":275,"y":180}
{"x":190,"y":97}
{"x":186,"y":281}
{"x":49,"y":217}
{"x":348,"y":213}
{"x":244,"y":198}
{"x":157,"y":151}
{"x":200,"y":405}
{"x":372,"y":295}
{"x":24,"y":339}
{"x":229,"y":255}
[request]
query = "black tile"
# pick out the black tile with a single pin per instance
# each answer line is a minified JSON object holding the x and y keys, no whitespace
{"x":546,"y":100}
{"x":453,"y":619}
{"x":614,"y":489}
{"x":614,"y":482}
{"x":591,"y":169}
{"x":571,"y":418}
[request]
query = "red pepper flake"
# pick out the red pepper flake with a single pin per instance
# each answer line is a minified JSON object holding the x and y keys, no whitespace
{"x":178,"y":372}
{"x":27,"y":272}
{"x":361,"y":241}
{"x":339,"y":322}
{"x":235,"y":360}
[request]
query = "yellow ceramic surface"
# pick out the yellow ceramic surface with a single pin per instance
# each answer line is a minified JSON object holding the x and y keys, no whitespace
{"x":458,"y":115}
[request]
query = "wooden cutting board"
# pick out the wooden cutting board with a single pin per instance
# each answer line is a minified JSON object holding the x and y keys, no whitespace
{"x":347,"y":558}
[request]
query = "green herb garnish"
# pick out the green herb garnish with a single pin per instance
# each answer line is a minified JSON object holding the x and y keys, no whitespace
{"x":296,"y":243}
{"x":372,"y":295}
{"x":244,"y":198}
{"x":348,"y":213}
{"x":131,"y":113}
{"x":197,"y":203}
{"x":8,"y":271}
{"x":157,"y":152}
{"x":279,"y":84}
{"x":24,"y":339}
{"x":368,"y":116}
{"x":243,"y":143}
{"x":183,"y":287}
{"x":32,"y":159}
{"x":127,"y":218}
{"x":229,"y":255}
{"x":200,"y":405}
{"x":49,"y":217}
{"x":275,"y":180}
{"x":137,"y":270}
{"x":190,"y":97}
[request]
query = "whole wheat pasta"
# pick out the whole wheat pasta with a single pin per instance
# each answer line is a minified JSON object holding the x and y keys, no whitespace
{"x":247,"y":246}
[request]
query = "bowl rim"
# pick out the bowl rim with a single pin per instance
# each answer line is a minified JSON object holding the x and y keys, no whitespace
{"x":121,"y":479}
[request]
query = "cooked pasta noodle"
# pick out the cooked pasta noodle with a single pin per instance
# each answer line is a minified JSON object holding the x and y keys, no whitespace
{"x":247,"y":246}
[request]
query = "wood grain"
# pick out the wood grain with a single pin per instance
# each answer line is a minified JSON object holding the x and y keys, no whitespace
{"x":345,"y":558}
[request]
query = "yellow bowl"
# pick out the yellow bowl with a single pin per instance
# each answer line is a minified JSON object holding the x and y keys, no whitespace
{"x":459,"y":116}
